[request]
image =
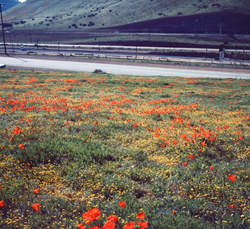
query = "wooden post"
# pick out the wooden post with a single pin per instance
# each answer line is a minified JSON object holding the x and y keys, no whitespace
{"x":4,"y":41}
{"x":221,"y":52}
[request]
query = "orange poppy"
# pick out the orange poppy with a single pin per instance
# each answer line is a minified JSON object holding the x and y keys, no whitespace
{"x":36,"y":206}
{"x":232,"y":206}
{"x":109,"y":225}
{"x":143,"y":225}
{"x":92,"y":214}
{"x":96,"y":227}
{"x":2,"y":203}
{"x":232,"y":177}
{"x":203,"y":143}
{"x":135,"y":124}
{"x":141,"y":215}
{"x":80,"y":226}
{"x":129,"y":225}
{"x":69,"y":195}
{"x":123,"y":204}
{"x":191,"y":156}
{"x":36,"y":191}
{"x":113,"y":218}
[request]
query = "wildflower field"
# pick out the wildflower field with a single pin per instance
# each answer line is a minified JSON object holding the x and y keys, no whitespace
{"x":82,"y":150}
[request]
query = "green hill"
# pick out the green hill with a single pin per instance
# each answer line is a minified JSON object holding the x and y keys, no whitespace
{"x":85,"y":14}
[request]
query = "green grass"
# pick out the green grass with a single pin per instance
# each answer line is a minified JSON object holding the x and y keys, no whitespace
{"x":93,"y":140}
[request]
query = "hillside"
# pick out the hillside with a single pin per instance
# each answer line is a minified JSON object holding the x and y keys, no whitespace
{"x":85,"y":14}
{"x":218,"y":22}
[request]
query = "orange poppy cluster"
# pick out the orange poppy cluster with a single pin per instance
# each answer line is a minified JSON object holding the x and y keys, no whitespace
{"x":94,"y":214}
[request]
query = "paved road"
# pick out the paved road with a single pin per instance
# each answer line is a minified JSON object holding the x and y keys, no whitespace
{"x":118,"y":69}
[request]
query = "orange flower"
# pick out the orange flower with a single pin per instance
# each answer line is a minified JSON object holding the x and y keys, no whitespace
{"x":21,"y":146}
{"x":129,"y":225}
{"x":96,"y":227}
{"x":211,"y":168}
{"x":113,"y":218}
{"x":80,"y":226}
{"x":191,"y":156}
{"x":17,"y":130}
{"x":135,"y":124}
{"x":2,"y":203}
{"x":240,"y":138}
{"x":203,"y":143}
{"x":141,"y":215}
{"x":92,"y":214}
{"x":232,"y":177}
{"x":36,"y":206}
{"x":2,"y":146}
{"x":232,"y":206}
{"x":69,"y":195}
{"x":95,"y":122}
{"x":123,"y":204}
{"x":36,"y":191}
{"x":109,"y":225}
{"x":143,"y":225}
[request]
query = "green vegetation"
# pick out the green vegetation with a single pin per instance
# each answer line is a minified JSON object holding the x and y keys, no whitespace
{"x":78,"y":14}
{"x":174,"y":148}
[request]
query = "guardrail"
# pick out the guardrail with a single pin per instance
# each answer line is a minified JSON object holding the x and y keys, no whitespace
{"x":121,"y":52}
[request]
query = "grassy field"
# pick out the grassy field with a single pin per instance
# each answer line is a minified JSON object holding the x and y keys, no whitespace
{"x":77,"y":149}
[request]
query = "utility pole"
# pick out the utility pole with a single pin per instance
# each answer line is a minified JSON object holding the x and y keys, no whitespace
{"x":4,"y":42}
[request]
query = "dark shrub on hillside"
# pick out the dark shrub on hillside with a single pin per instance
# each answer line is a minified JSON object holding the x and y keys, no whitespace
{"x":91,"y":23}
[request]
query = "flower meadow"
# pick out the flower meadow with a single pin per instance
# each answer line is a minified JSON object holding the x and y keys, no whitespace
{"x":82,"y":150}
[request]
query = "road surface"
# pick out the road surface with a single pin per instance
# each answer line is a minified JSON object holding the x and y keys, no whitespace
{"x":119,"y":68}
